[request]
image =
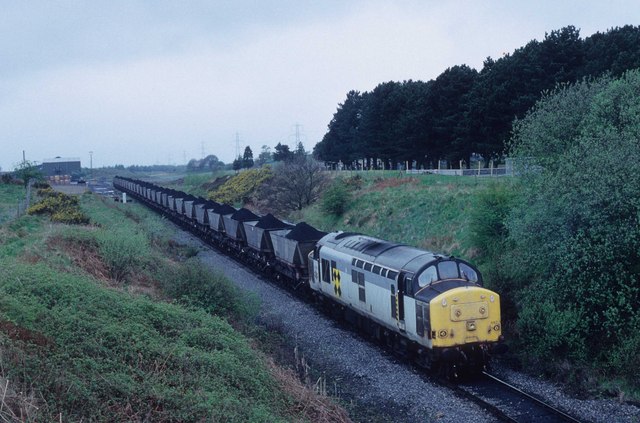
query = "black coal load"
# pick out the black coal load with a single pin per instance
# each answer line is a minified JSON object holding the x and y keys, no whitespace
{"x":244,"y":215}
{"x":304,"y":232}
{"x":269,"y":221}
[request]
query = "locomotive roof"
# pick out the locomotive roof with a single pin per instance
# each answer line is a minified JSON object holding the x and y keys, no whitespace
{"x":378,"y":251}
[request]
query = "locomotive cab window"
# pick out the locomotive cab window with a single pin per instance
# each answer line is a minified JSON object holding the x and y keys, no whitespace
{"x":430,"y":274}
{"x":468,"y":273}
{"x":448,"y":270}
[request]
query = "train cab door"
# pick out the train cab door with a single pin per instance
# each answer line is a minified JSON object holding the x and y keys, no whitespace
{"x":397,"y":302}
{"x":314,"y":268}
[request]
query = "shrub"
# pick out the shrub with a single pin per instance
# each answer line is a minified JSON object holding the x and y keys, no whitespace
{"x":336,"y":198}
{"x":239,"y":188}
{"x":193,"y":284}
{"x":488,"y":220}
{"x":122,"y":251}
{"x":573,"y":230}
{"x":354,"y":182}
{"x":61,"y":207}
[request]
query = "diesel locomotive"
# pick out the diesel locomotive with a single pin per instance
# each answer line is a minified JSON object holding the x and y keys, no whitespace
{"x":430,"y":306}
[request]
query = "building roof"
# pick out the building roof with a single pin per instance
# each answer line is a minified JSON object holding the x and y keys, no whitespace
{"x":61,"y":160}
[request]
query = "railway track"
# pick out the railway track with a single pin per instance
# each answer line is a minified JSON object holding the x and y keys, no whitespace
{"x":508,"y":402}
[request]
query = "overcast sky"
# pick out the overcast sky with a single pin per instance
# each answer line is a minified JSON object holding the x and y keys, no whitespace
{"x":155,"y":82}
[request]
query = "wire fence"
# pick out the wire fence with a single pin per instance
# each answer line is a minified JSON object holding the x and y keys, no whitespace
{"x":24,"y":205}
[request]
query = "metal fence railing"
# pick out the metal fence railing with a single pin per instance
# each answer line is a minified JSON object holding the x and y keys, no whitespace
{"x":498,"y":171}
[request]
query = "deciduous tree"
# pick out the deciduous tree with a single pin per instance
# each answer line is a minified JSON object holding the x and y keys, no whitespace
{"x":295,"y":185}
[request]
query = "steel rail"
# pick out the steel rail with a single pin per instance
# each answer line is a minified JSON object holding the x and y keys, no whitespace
{"x":538,"y":401}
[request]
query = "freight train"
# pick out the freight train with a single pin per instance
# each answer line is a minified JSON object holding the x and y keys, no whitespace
{"x":427,"y":305}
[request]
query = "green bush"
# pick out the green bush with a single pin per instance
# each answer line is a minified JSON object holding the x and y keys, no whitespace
{"x":60,"y":207}
{"x":573,"y":231}
{"x":193,"y":284}
{"x":354,"y":182}
{"x":122,"y":250}
{"x":336,"y":198}
{"x":239,"y":188}
{"x":488,"y":220}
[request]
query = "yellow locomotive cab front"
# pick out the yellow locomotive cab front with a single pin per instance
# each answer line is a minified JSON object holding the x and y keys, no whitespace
{"x":465,"y":315}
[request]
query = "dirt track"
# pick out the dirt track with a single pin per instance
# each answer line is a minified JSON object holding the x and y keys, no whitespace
{"x":70,"y":189}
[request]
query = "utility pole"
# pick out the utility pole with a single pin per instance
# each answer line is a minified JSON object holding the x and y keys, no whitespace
{"x":237,"y":145}
{"x":91,"y":163}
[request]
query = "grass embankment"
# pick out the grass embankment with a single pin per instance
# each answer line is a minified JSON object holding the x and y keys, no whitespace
{"x":10,"y":194}
{"x":200,"y":184}
{"x":427,"y":211}
{"x":79,"y":342}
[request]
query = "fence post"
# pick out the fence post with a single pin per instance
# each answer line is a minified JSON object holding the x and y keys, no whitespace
{"x":28,"y":199}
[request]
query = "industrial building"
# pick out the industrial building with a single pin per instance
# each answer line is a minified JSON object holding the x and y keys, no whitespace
{"x":61,"y":169}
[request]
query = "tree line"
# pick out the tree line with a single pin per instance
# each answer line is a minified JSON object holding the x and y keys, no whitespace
{"x":465,"y":112}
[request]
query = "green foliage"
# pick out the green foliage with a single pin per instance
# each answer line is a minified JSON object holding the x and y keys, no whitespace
{"x":336,"y":198}
{"x":488,"y":235}
{"x":488,"y":216}
{"x":122,"y":251}
{"x":239,"y":188}
{"x":578,"y":206}
{"x":549,"y":331}
{"x":61,"y":207}
{"x":28,"y":171}
{"x":10,"y":195}
{"x":192,"y":284}
{"x":247,"y":158}
{"x":100,"y":355}
{"x":354,"y":182}
{"x":464,"y":111}
{"x":6,"y":178}
{"x":427,"y":211}
{"x":81,"y":352}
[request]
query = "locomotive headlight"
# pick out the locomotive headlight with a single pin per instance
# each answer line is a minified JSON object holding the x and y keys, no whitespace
{"x":496,"y":327}
{"x":483,"y":310}
{"x":442,"y":333}
{"x":492,"y":298}
{"x":444,"y":302}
